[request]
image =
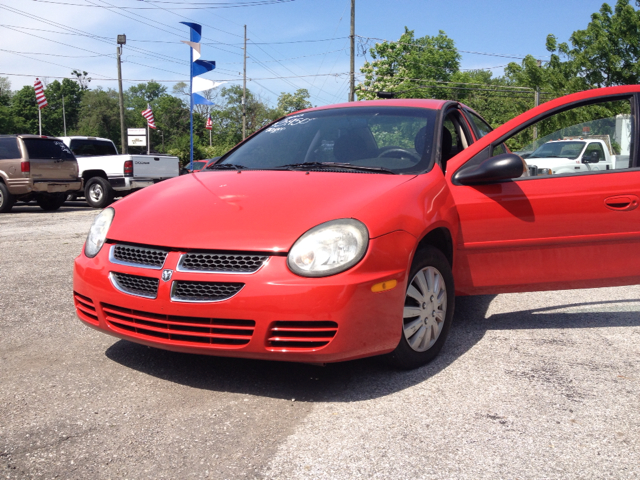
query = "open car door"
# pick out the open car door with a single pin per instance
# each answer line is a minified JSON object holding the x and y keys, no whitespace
{"x":546,"y":230}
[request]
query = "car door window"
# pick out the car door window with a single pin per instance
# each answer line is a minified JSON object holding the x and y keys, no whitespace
{"x":585,"y":139}
{"x":480,"y":127}
{"x":455,"y":136}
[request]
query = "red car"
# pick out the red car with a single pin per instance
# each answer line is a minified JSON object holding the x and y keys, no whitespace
{"x":345,"y":231}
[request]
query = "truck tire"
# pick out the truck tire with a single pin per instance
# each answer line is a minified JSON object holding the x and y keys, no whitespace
{"x":50,"y":203}
{"x":98,"y":192}
{"x":6,"y":199}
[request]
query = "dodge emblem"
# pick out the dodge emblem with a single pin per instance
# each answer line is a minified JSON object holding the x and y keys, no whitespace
{"x":166,"y":275}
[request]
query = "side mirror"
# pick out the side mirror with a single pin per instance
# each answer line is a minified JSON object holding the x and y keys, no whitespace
{"x":494,"y":169}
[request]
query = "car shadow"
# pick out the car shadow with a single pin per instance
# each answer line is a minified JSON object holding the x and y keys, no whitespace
{"x":359,"y":379}
{"x":32,"y":207}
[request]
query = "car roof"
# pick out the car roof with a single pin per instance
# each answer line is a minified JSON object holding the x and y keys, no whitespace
{"x":81,"y":137}
{"x":396,"y":102}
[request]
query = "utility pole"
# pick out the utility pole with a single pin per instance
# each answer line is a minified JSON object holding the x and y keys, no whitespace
{"x":352,"y":82}
{"x":64,"y":118}
{"x":244,"y":88}
{"x":536,"y":102}
{"x":122,"y":39}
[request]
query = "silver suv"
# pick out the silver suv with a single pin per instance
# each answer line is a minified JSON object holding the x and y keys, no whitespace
{"x":36,"y":168}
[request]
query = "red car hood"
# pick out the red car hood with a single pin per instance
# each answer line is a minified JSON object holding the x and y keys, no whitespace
{"x":248,"y":211}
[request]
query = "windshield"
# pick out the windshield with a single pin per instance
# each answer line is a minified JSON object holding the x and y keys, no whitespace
{"x":389,"y":139}
{"x":47,"y":148}
{"x":199,"y":165}
{"x":90,"y":148}
{"x":559,"y":150}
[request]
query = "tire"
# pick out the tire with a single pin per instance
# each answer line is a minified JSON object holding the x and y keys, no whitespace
{"x":50,"y":203}
{"x":428,"y":310}
{"x":98,"y":192}
{"x":6,"y":199}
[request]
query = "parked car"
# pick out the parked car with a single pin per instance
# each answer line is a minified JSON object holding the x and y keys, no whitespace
{"x":108,"y":175}
{"x":346,"y":231}
{"x":199,"y":165}
{"x":36,"y":168}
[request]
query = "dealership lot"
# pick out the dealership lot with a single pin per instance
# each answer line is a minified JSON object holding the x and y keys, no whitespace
{"x":536,"y":385}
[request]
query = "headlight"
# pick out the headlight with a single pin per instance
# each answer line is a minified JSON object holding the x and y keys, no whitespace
{"x":329,"y":248}
{"x":98,"y":232}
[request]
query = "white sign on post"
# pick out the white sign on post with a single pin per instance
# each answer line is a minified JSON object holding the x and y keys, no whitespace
{"x":136,"y":131}
{"x":137,"y":140}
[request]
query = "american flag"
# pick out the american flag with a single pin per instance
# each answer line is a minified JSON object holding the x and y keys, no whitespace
{"x":40,"y":98}
{"x":209,"y":123}
{"x":148,"y":114}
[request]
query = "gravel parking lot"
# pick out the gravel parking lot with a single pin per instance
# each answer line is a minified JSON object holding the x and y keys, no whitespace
{"x":538,"y":385}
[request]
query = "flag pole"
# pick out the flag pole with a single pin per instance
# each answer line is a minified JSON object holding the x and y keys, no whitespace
{"x":209,"y":137}
{"x":191,"y":107}
{"x":148,"y":139}
{"x":40,"y":121}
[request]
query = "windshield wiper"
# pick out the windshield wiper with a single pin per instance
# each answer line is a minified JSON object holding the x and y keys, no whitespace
{"x":323,"y":165}
{"x":225,"y":166}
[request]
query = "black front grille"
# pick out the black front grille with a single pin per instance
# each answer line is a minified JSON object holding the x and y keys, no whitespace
{"x":143,"y":256}
{"x":204,"y":291}
{"x":136,"y":285}
{"x":222,"y":262}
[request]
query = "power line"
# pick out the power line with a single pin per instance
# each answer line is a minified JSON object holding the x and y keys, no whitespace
{"x":197,"y":6}
{"x":286,"y":68}
{"x":502,"y":55}
{"x":57,"y":55}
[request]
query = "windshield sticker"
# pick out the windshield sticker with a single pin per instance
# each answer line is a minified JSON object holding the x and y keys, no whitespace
{"x":289,"y":122}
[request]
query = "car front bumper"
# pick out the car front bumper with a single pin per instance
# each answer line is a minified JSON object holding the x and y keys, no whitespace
{"x":276,"y":315}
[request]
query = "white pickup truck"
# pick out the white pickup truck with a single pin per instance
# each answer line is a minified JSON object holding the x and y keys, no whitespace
{"x":108,"y":175}
{"x":572,"y":155}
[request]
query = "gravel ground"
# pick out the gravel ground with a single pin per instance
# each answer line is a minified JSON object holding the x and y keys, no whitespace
{"x":538,"y":385}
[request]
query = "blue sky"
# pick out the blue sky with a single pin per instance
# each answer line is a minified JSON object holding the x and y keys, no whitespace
{"x":288,"y":45}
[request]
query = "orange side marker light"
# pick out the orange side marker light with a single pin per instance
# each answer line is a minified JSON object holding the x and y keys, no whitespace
{"x":384,"y":286}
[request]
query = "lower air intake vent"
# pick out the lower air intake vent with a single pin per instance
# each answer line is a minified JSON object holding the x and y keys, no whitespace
{"x":85,"y":308}
{"x":135,"y":285}
{"x":301,"y":335}
{"x":223,"y":333}
{"x":183,"y":291}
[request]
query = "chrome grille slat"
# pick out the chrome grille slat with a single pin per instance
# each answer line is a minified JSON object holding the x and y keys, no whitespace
{"x":135,"y":256}
{"x":219,"y":262}
{"x":186,"y":291}
{"x":135,"y":285}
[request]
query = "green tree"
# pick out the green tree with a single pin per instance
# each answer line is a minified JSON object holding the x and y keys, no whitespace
{"x":498,"y":100}
{"x":406,"y":65}
{"x":52,"y":114}
{"x":7,"y":124}
{"x":604,"y":54}
{"x":227,"y":117}
{"x":24,"y":111}
{"x":100,"y":115}
{"x":82,"y":79}
{"x":137,"y":97}
{"x":292,"y":102}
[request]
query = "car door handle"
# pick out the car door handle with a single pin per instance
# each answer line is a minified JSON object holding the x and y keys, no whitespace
{"x":622,"y":202}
